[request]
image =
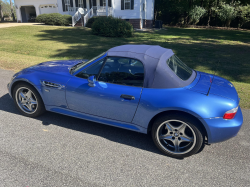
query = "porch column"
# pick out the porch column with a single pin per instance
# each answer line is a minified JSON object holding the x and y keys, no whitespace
{"x":37,"y":8}
{"x":107,"y":7}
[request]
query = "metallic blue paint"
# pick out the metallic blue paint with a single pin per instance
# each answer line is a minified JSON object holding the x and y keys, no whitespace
{"x":102,"y":100}
{"x":207,"y":98}
{"x":97,"y":119}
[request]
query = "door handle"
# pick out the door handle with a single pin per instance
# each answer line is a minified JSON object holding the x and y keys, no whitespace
{"x":128,"y":97}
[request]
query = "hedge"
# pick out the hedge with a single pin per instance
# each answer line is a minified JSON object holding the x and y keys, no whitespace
{"x":54,"y":19}
{"x":91,"y":21}
{"x":112,"y":27}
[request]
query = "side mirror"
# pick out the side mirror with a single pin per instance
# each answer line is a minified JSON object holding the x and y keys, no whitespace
{"x":92,"y":81}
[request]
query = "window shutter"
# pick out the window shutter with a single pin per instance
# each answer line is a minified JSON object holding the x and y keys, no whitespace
{"x":63,"y":5}
{"x":101,"y":2}
{"x":90,"y":4}
{"x":84,"y":4}
{"x":132,"y":4}
{"x":71,"y":3}
{"x":122,"y":4}
{"x":94,"y":2}
{"x":109,"y":3}
{"x":77,"y":3}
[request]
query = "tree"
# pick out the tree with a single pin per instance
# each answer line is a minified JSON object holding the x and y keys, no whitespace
{"x":243,"y":12}
{"x":12,"y":11}
{"x":226,"y":13}
{"x":196,"y":13}
{"x":1,"y":11}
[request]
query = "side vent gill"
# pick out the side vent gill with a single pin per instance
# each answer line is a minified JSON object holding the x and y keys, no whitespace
{"x":52,"y":84}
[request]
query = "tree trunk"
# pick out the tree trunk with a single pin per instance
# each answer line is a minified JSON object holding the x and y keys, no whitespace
{"x":12,"y":11}
{"x":202,"y":3}
{"x":228,"y":22}
{"x":209,"y":17}
{"x":1,"y":12}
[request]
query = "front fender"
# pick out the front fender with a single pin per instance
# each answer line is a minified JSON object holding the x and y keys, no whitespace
{"x":50,"y":96}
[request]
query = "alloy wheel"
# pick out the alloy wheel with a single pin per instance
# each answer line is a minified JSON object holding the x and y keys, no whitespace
{"x":176,"y":137}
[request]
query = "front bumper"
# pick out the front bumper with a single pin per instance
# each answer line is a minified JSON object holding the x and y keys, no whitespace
{"x":219,"y":129}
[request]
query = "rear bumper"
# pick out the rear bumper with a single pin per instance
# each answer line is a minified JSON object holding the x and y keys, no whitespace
{"x":219,"y":129}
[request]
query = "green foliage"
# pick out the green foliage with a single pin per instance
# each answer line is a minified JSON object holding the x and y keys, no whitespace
{"x":6,"y":8}
{"x":54,"y":19}
{"x":41,"y":18}
{"x":91,"y":21}
{"x":243,"y":14}
{"x":226,"y":12}
{"x":218,"y":12}
{"x":112,"y":27}
{"x":196,"y":13}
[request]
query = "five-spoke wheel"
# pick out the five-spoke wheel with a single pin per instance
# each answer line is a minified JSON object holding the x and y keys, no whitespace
{"x":28,"y":100}
{"x":177,"y":136}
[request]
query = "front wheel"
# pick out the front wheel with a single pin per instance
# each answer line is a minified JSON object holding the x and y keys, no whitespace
{"x":27,"y":100}
{"x":177,"y":136}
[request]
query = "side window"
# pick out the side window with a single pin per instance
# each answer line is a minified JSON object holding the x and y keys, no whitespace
{"x":92,"y":70}
{"x":124,"y":71}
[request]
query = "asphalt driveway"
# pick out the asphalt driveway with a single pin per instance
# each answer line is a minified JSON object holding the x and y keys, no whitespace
{"x":56,"y":150}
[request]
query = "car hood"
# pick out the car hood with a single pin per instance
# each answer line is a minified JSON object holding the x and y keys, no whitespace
{"x":215,"y":85}
{"x":58,"y":67}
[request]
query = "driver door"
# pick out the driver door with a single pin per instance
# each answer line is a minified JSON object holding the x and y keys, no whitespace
{"x":117,"y":90}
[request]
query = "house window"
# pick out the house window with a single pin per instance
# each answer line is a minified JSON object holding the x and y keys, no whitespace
{"x":127,"y":4}
{"x":104,"y":3}
{"x":67,"y":4}
{"x":80,"y":3}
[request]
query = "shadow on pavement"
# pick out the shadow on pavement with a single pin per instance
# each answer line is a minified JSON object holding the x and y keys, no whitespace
{"x":122,"y":136}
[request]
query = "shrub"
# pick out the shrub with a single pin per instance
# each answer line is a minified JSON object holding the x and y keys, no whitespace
{"x":67,"y":19}
{"x":91,"y":21}
{"x":41,"y":18}
{"x":112,"y":27}
{"x":196,"y":13}
{"x":54,"y":19}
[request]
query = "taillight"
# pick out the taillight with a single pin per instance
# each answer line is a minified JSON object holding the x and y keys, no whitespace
{"x":230,"y":114}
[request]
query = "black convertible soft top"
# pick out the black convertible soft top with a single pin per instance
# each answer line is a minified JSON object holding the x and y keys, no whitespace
{"x":154,"y":58}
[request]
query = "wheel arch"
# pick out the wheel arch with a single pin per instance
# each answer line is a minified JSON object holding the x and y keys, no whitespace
{"x":197,"y":120}
{"x":27,"y":82}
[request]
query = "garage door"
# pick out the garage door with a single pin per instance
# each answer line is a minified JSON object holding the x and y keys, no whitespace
{"x":47,"y":9}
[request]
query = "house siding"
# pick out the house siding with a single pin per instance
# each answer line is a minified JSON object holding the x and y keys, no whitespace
{"x":35,"y":3}
{"x":137,"y":17}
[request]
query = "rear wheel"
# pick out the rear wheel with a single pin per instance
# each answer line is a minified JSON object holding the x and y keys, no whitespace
{"x":27,"y":100}
{"x":177,"y":136}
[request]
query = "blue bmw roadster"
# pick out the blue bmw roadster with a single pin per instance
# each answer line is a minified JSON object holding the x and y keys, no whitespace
{"x":143,"y":88}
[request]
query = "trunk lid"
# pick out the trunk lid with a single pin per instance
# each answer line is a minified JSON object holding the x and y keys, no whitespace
{"x":211,"y":84}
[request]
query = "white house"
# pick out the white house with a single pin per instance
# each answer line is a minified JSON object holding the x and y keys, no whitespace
{"x":140,"y":13}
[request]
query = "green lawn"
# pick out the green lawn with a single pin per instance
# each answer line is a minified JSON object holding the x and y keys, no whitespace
{"x":224,"y":52}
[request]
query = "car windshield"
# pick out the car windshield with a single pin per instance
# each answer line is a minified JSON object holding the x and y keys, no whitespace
{"x":84,"y":63}
{"x":179,"y":68}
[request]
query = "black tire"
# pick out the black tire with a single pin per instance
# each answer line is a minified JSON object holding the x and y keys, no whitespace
{"x":39,"y":108}
{"x":184,"y":131}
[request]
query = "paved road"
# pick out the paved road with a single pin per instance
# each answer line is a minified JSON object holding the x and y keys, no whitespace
{"x":56,"y":150}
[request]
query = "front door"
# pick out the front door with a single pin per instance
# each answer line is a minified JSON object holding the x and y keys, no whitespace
{"x":116,"y":93}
